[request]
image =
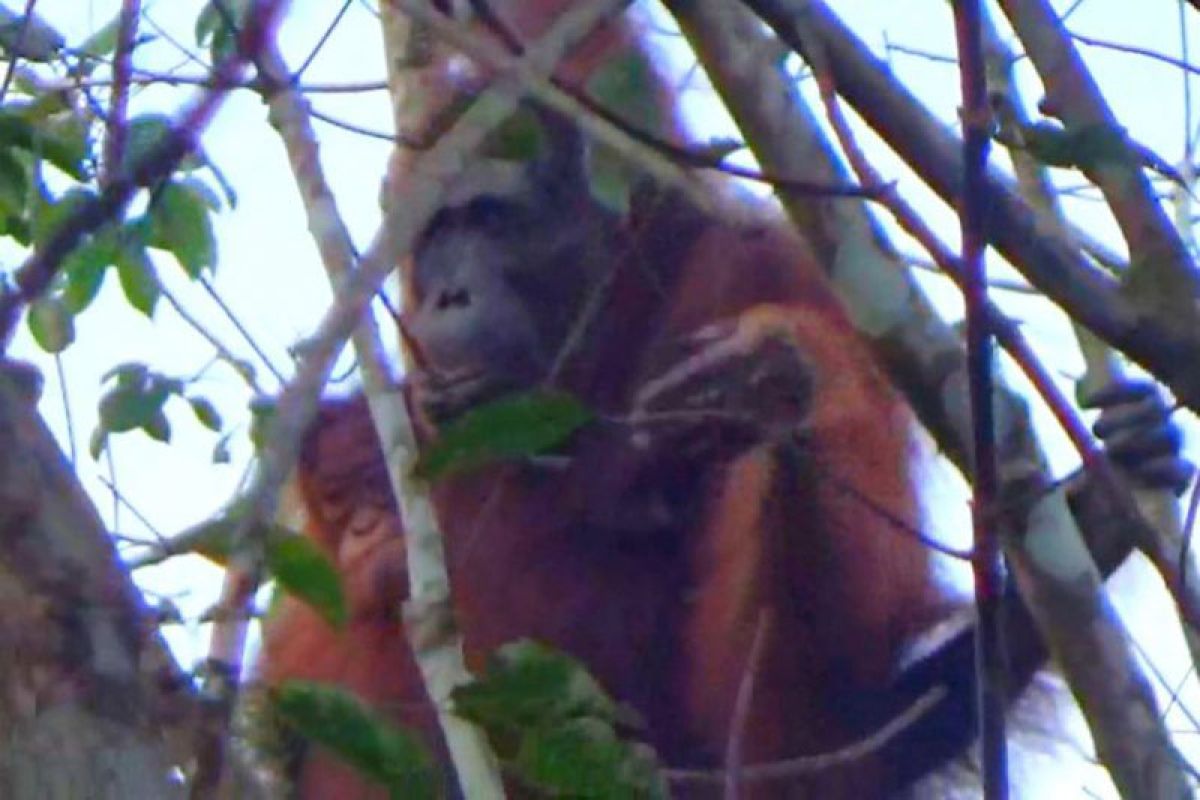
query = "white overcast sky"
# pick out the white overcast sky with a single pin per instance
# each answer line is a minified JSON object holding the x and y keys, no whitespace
{"x":270,"y":275}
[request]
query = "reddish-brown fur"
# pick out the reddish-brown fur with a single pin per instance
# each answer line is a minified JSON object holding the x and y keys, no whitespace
{"x":771,"y":541}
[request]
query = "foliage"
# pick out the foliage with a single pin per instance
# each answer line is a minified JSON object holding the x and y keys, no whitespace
{"x":344,"y":725}
{"x":135,"y":400}
{"x":520,"y":425}
{"x":627,"y":85}
{"x":556,"y":728}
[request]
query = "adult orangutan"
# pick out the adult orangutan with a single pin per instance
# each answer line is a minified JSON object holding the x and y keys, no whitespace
{"x":742,"y":477}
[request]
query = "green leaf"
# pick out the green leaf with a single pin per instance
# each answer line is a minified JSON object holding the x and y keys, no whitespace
{"x":556,"y":727}
{"x":130,"y":373}
{"x":136,"y":403}
{"x":138,"y":279}
{"x":63,"y":140}
{"x":97,"y":442}
{"x":157,"y":427}
{"x":221,"y":453}
{"x":17,"y":229}
{"x":584,"y":758}
{"x":15,"y":129}
{"x":59,"y":139}
{"x":519,"y":138}
{"x":611,"y":179}
{"x":262,"y":411}
{"x":340,"y":722}
{"x":51,"y":323}
{"x":627,"y":86}
{"x":302,"y":569}
{"x":209,"y":195}
{"x":180,"y":224}
{"x":14,"y":184}
{"x":84,"y":269}
{"x":213,"y":29}
{"x":32,"y":40}
{"x":206,"y":413}
{"x":101,"y":43}
{"x":48,"y":217}
{"x":526,"y":684}
{"x":519,"y":425}
{"x":146,"y":133}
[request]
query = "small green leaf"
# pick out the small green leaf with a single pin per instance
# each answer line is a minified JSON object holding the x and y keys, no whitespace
{"x":130,"y":373}
{"x":527,"y":684}
{"x":262,"y":411}
{"x":101,"y":43}
{"x":627,"y":86}
{"x":180,"y":224}
{"x":14,"y":184}
{"x":15,"y":129}
{"x":84,"y":269}
{"x":157,"y":427}
{"x":206,"y":413}
{"x":340,"y":722}
{"x":57,"y":137}
{"x":32,"y":40}
{"x":221,"y":453}
{"x":17,"y":229}
{"x":130,"y":405}
{"x":214,"y":30}
{"x":138,"y":279}
{"x":584,"y":758}
{"x":302,"y":569}
{"x":142,"y":135}
{"x":610,"y":179}
{"x":97,"y":442}
{"x":519,"y":425}
{"x":48,"y":217}
{"x":556,"y":727}
{"x":202,"y":190}
{"x":208,"y":23}
{"x":519,"y":138}
{"x":63,"y":140}
{"x":51,"y":323}
{"x":146,"y":133}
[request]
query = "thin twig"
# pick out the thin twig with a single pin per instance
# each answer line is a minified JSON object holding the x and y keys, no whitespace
{"x":321,"y":42}
{"x":1130,"y":49}
{"x":65,"y":394}
{"x":741,"y":707}
{"x":239,"y":365}
{"x":991,"y":663}
{"x":241,"y":329}
{"x":808,"y":765}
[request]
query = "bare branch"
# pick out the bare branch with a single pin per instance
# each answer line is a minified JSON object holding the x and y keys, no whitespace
{"x":1166,"y":349}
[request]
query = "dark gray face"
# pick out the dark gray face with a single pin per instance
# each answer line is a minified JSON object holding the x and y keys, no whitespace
{"x":475,"y":274}
{"x":501,"y":273}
